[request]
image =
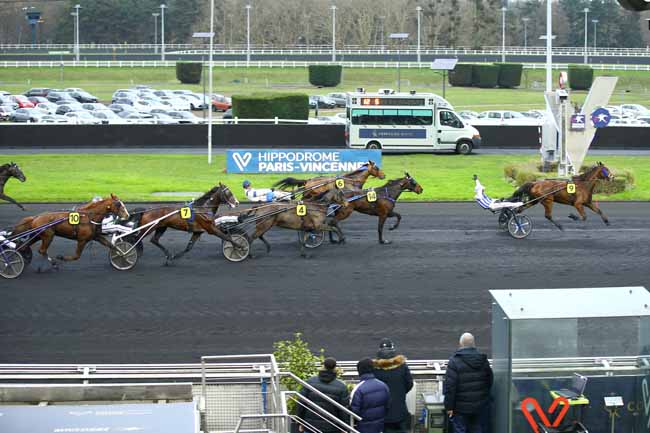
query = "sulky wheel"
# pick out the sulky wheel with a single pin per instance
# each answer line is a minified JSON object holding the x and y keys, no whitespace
{"x":236,"y":253}
{"x":313,"y":239}
{"x":520,"y":226}
{"x":11,"y":264}
{"x":503,"y":220}
{"x":123,"y":256}
{"x":26,"y":252}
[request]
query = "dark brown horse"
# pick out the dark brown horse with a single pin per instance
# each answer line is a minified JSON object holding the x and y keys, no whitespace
{"x":8,"y":171}
{"x":90,"y":219}
{"x":317,"y":185}
{"x":203,"y":210}
{"x":383,"y":206}
{"x":558,"y":191}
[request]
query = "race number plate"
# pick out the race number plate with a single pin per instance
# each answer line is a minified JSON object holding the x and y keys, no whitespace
{"x":371,"y":196}
{"x":74,"y":218}
{"x":301,"y":210}
{"x":571,"y":188}
{"x":186,"y":213}
{"x":340,"y":183}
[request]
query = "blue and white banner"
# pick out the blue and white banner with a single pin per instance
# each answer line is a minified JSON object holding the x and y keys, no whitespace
{"x":393,"y":133}
{"x":299,"y":161}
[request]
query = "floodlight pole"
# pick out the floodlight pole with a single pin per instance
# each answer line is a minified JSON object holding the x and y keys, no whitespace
{"x":525,"y":20}
{"x":400,"y":37}
{"x":210,"y":82}
{"x":155,"y":16}
{"x":595,"y":38}
{"x":333,"y":33}
{"x":248,"y":34}
{"x":586,"y":11}
{"x":162,"y":31}
{"x":549,"y":45}
{"x":75,"y":14}
{"x":419,"y":10}
{"x":503,"y":34}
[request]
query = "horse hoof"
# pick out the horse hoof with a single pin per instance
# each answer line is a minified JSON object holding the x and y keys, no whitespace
{"x":573,"y":217}
{"x":342,"y":241}
{"x":607,"y":223}
{"x":58,"y":258}
{"x":385,"y":242}
{"x":392,"y":228}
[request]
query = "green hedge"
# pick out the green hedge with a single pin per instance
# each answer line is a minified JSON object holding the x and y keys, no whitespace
{"x":325,"y":75}
{"x":270,"y":105}
{"x":510,"y":74}
{"x":461,"y":76}
{"x":189,"y":72}
{"x":580,"y":77}
{"x":486,"y":76}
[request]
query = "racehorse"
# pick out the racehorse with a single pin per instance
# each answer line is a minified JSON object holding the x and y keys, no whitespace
{"x":317,"y":185}
{"x":90,"y":219}
{"x":549,"y":191}
{"x":8,"y":171}
{"x":203,"y":210}
{"x":383,"y":207}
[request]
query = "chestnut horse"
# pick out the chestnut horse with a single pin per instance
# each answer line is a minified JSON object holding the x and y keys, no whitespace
{"x":8,"y":171}
{"x":556,"y":191}
{"x":88,"y":229}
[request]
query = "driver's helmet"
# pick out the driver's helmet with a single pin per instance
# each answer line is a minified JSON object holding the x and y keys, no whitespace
{"x":246,"y":184}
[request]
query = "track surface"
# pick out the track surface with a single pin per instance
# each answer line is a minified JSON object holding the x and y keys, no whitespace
{"x":425,"y":289}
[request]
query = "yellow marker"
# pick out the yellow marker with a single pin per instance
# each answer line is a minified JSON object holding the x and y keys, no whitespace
{"x":340,"y":183}
{"x":571,"y":188}
{"x":74,"y":218}
{"x":371,"y":196}
{"x":186,"y":213}
{"x":301,"y":210}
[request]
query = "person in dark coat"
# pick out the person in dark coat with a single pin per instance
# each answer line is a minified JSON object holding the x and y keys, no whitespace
{"x":327,"y":383}
{"x":370,"y":399}
{"x":467,"y":387}
{"x":391,"y":368}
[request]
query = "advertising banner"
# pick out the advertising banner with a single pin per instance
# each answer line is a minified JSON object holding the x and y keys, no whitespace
{"x":299,"y":161}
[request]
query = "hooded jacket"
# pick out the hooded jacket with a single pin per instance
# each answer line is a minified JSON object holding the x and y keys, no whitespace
{"x":391,"y":369}
{"x":467,"y":382}
{"x":327,"y":383}
{"x":370,"y":400}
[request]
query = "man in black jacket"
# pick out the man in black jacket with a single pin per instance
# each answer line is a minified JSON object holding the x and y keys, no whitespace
{"x":327,"y":383}
{"x":467,"y":387}
{"x":391,"y":369}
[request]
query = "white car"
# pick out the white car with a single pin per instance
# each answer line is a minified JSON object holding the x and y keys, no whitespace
{"x":54,"y":118}
{"x":163,"y":119}
{"x":145,"y":106}
{"x":635,"y":110}
{"x":47,"y":107}
{"x":504,"y":117}
{"x":185,"y":117}
{"x":469,"y":116}
{"x":107,"y":117}
{"x":94,"y":106}
{"x":177,"y":104}
{"x":83,"y":118}
{"x":645,"y":119}
{"x":140,"y":118}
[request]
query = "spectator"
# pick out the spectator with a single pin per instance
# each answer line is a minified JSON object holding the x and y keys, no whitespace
{"x":467,"y":387}
{"x":370,"y":399}
{"x":327,"y":383}
{"x":391,"y":369}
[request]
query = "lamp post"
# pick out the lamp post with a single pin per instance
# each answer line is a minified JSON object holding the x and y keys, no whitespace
{"x":503,"y":34}
{"x":549,"y":46}
{"x":419,"y":10}
{"x":162,"y":31}
{"x":210,"y":82}
{"x":75,"y":14}
{"x":333,"y":33}
{"x":525,"y":20}
{"x":248,"y":34}
{"x":586,"y":11}
{"x":399,"y":37}
{"x":383,"y":36}
{"x":155,"y":16}
{"x":595,"y":30}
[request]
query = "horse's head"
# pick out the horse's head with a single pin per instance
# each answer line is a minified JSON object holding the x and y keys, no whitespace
{"x":603,"y":172}
{"x":115,"y":206}
{"x":223,"y":194}
{"x":410,"y":184}
{"x":374,"y":170}
{"x":16,"y":172}
{"x":335,"y":196}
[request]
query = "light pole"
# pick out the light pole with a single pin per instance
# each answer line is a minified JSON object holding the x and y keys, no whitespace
{"x":162,"y":31}
{"x":333,"y":33}
{"x":399,"y":37}
{"x":248,"y":34}
{"x":549,"y":45}
{"x":586,"y":11}
{"x":155,"y":16}
{"x":383,"y":35}
{"x":75,"y":14}
{"x":525,"y":20}
{"x":595,"y":38}
{"x":419,"y":10}
{"x":503,"y":34}
{"x":210,"y":82}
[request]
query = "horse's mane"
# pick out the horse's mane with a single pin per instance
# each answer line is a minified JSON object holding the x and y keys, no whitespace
{"x":5,"y":166}
{"x":363,"y":167}
{"x":392,"y":182}
{"x":89,"y":204}
{"x":205,"y":197}
{"x":584,"y":175}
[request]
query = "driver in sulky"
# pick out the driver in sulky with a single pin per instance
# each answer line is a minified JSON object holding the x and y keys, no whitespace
{"x":264,"y":194}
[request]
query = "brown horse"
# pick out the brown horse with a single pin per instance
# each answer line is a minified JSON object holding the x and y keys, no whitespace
{"x":383,"y":207}
{"x":203,"y":210}
{"x":557,"y":191}
{"x":318,"y":185}
{"x":90,"y":220}
{"x":8,"y":171}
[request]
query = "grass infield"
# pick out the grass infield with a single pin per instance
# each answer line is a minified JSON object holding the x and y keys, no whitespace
{"x":77,"y":178}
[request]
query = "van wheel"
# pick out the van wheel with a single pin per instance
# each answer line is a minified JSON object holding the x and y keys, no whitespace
{"x":373,"y":145}
{"x":464,"y":148}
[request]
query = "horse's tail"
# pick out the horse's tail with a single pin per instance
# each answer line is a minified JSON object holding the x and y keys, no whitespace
{"x":289,"y":181}
{"x":522,"y":192}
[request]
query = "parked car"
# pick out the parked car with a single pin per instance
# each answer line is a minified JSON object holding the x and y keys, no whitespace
{"x":468,"y":115}
{"x":26,"y":115}
{"x":221,"y":103}
{"x":22,"y":101}
{"x":228,"y":114}
{"x":5,"y":100}
{"x":504,"y":117}
{"x":37,"y":100}
{"x":53,"y":118}
{"x":645,"y":119}
{"x":177,"y":104}
{"x":167,"y":93}
{"x":5,"y":112}
{"x":83,"y":96}
{"x":56,"y":96}
{"x":194,"y":100}
{"x":140,"y":118}
{"x":185,"y":117}
{"x":67,"y":108}
{"x":47,"y":107}
{"x":94,"y":106}
{"x":120,"y":94}
{"x":341,"y":99}
{"x":4,"y":93}
{"x":83,"y":118}
{"x":164,"y":119}
{"x":37,"y":91}
{"x":144,"y":106}
{"x":635,"y":109}
{"x":121,"y":108}
{"x":107,"y":117}
{"x":321,"y":101}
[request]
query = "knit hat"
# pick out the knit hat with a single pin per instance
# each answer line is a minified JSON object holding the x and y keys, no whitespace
{"x":386,"y":343}
{"x":329,"y":363}
{"x":365,"y":366}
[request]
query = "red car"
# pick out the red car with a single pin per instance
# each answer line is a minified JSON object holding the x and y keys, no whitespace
{"x":221,"y":103}
{"x":22,"y":101}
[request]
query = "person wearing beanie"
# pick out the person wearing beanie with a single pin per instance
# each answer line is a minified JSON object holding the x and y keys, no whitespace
{"x":390,"y":367}
{"x":327,"y":383}
{"x":370,"y":399}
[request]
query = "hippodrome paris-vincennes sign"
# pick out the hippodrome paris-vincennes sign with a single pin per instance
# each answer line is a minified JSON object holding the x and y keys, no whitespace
{"x":298,"y":161}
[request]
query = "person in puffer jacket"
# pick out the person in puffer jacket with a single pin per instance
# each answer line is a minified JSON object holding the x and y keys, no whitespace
{"x":391,"y":368}
{"x":327,"y":383}
{"x":467,"y":387}
{"x":370,"y":399}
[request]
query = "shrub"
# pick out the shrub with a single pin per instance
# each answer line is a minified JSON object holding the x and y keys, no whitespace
{"x":461,"y":76}
{"x":486,"y":76}
{"x":270,"y":105}
{"x":580,"y":77}
{"x":189,"y":72}
{"x":510,"y":74}
{"x":325,"y":75}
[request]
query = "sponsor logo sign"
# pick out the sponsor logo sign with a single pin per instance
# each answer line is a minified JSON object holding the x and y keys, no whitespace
{"x":299,"y":161}
{"x":578,"y":122}
{"x":393,"y":133}
{"x":530,"y":402}
{"x":601,"y":118}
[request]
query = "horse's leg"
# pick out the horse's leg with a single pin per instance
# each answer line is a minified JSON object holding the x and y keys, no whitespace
{"x":81,"y":244}
{"x":155,"y":240}
{"x":336,"y":228}
{"x":4,"y":196}
{"x":399,"y":219}
{"x":594,"y":207}
{"x":380,"y":229}
{"x":46,"y":240}
{"x":266,"y":244}
{"x":548,"y":213}
{"x":303,"y":253}
{"x":195,"y":237}
{"x":581,"y":211}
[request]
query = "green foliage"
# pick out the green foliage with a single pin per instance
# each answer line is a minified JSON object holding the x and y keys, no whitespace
{"x":189,"y":72}
{"x":510,"y":74}
{"x":325,"y":75}
{"x":270,"y":105}
{"x":461,"y":76}
{"x":580,"y":77}
{"x":485,"y":76}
